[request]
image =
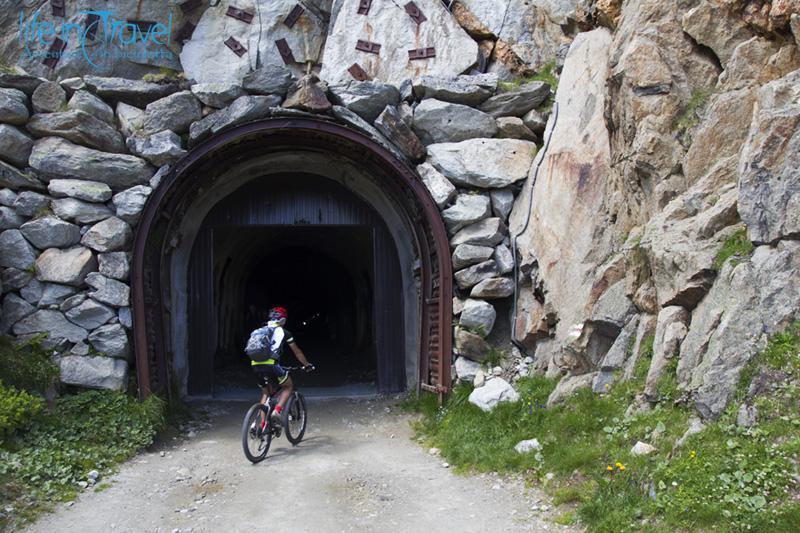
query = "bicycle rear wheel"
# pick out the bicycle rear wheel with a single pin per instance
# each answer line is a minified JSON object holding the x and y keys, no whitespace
{"x":296,"y":418}
{"x":256,"y":434}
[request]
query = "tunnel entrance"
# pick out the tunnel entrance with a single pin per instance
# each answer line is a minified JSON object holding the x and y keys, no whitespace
{"x":273,"y":242}
{"x":350,"y":230}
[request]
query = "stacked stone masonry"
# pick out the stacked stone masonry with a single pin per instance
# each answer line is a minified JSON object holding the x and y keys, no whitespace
{"x":670,"y":137}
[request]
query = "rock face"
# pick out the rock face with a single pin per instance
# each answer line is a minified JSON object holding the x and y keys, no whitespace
{"x":56,"y":158}
{"x":485,"y":163}
{"x":388,"y":22}
{"x":495,"y":391}
{"x":201,"y":57}
{"x":53,"y":323}
{"x":728,"y":327}
{"x":569,"y":190}
{"x":769,"y":183}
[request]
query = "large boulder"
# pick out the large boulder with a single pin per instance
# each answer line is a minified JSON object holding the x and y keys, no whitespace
{"x":467,"y":209}
{"x":394,"y":128}
{"x":80,"y":211}
{"x":108,"y":291}
{"x":13,"y":108}
{"x":468,"y":90}
{"x":517,"y":102}
{"x":207,"y":60}
{"x":30,"y":203}
{"x":110,"y":235}
{"x":436,"y":121}
{"x":132,"y":92}
{"x":478,"y":315}
{"x":52,"y":322}
{"x":243,"y":109}
{"x":115,"y":265}
{"x":485,"y":163}
{"x":495,"y":391}
{"x":53,"y":157}
{"x":442,"y":191}
{"x":468,"y":254}
{"x":308,"y":94}
{"x":17,"y":251}
{"x":487,"y":232}
{"x":51,"y":232}
{"x":466,"y":369}
{"x":14,"y":310}
{"x":671,"y":329}
{"x":89,"y":103}
{"x":68,"y":267}
{"x":391,"y":24}
{"x":471,"y":345}
{"x":493,"y":288}
{"x":111,"y":340}
{"x":48,"y":97}
{"x":748,"y":302}
{"x":11,"y":177}
{"x":217,"y":95}
{"x":568,"y":386}
{"x":160,"y":148}
{"x":79,"y":127}
{"x":10,"y":219}
{"x":474,"y":274}
{"x":268,"y":79}
{"x":174,"y":112}
{"x":90,"y":191}
{"x":94,"y":372}
{"x":365,"y":98}
{"x":129,"y":203}
{"x":15,"y":145}
{"x":90,"y":314}
{"x":769,"y":182}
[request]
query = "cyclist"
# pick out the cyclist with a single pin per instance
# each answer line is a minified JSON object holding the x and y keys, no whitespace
{"x":271,"y":369}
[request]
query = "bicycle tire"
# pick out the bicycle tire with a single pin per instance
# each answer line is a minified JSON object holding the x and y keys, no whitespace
{"x":261,"y":439}
{"x":296,"y":418}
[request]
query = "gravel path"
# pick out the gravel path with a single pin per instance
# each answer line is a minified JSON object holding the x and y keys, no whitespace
{"x":356,"y":470}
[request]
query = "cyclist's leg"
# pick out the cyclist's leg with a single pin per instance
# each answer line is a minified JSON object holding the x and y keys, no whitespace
{"x":286,"y":390}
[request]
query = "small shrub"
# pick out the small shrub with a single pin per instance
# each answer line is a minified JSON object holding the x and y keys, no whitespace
{"x":736,"y":247}
{"x":26,"y":365}
{"x":691,"y":114}
{"x":17,"y":409}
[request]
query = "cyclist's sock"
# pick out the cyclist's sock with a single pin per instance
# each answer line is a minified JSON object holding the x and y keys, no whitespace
{"x":278,"y":409}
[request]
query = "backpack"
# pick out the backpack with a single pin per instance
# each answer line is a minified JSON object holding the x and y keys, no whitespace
{"x":259,"y":345}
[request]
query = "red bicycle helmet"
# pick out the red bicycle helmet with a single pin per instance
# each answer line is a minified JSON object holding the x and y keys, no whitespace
{"x":278,"y":313}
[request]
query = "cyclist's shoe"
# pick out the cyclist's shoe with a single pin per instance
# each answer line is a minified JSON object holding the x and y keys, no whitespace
{"x":276,"y":418}
{"x":258,"y":428}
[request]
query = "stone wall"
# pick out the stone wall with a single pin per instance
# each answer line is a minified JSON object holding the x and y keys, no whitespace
{"x":670,"y":136}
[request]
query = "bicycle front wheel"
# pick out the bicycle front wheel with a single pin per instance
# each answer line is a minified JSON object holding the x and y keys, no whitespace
{"x":256,"y":434}
{"x":296,"y":418}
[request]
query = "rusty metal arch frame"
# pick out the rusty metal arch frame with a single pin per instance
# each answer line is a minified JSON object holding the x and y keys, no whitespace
{"x":149,"y":281}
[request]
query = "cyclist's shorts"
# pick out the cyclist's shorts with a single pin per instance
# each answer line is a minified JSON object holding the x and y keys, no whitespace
{"x":270,"y":373}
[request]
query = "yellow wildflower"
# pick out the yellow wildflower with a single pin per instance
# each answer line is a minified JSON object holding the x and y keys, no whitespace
{"x":622,"y":467}
{"x":692,"y":454}
{"x":610,"y":468}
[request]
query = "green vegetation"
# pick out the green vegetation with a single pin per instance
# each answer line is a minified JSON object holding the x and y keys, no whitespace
{"x":725,"y":478}
{"x":691,"y":114}
{"x":736,"y":247}
{"x":46,"y":451}
{"x":546,"y":74}
{"x":164,"y":75}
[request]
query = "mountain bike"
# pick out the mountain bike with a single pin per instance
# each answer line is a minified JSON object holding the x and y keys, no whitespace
{"x":258,"y":429}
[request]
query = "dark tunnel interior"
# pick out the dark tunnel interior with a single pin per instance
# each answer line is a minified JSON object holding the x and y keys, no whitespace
{"x":323,"y":275}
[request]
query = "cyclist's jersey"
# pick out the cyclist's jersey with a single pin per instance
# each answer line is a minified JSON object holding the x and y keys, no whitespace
{"x":280,"y":338}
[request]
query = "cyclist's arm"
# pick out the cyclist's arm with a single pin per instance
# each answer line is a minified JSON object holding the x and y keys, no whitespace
{"x":299,"y":354}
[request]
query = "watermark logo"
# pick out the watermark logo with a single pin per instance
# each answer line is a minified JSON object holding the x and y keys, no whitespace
{"x":101,"y":37}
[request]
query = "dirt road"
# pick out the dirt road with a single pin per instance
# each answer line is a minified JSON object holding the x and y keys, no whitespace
{"x":356,"y":470}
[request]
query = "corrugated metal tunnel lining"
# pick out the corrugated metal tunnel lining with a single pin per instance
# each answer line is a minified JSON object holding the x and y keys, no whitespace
{"x":306,"y":243}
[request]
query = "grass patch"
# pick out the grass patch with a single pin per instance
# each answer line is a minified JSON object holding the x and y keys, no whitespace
{"x":725,"y":478}
{"x":546,"y":74}
{"x":736,"y":248}
{"x":691,"y":114}
{"x":46,"y":451}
